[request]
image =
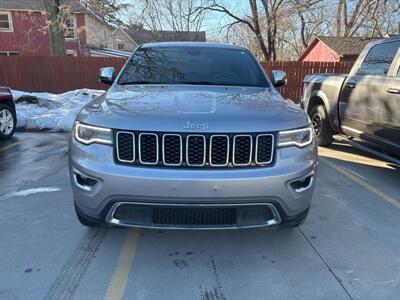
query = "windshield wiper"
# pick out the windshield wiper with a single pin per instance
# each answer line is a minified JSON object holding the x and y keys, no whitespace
{"x":211,"y":83}
{"x":198,"y":82}
{"x":183,"y":82}
{"x":140,"y":82}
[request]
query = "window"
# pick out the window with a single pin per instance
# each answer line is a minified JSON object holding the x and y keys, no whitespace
{"x":71,"y":52}
{"x":120,"y":46}
{"x":193,"y":65}
{"x":8,"y":53}
{"x":5,"y":21}
{"x":379,"y":59}
{"x":70,"y":28}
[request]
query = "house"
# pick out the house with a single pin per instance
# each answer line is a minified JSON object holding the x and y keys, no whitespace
{"x":334,"y":49}
{"x":23,"y":29}
{"x":128,"y":40}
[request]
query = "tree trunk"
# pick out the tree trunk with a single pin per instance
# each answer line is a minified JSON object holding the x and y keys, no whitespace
{"x":339,"y":18}
{"x":257,"y":29}
{"x":56,"y":32}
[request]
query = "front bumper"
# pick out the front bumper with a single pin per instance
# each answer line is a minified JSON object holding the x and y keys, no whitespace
{"x":149,"y":187}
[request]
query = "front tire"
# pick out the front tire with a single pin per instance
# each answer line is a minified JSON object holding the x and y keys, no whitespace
{"x":322,"y":128}
{"x":7,"y":122}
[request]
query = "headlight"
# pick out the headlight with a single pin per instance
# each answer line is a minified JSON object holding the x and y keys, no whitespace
{"x":296,"y":137}
{"x":87,"y":134}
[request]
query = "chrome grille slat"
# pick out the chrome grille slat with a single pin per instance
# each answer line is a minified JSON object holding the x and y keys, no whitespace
{"x":237,"y":147}
{"x":123,"y":157}
{"x":167,"y":148}
{"x":163,"y":149}
{"x":146,"y":158}
{"x":212,"y":154}
{"x":271,"y":148}
{"x":189,"y":153}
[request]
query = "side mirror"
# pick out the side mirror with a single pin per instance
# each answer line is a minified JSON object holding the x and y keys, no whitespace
{"x":107,"y":75}
{"x":278,"y":78}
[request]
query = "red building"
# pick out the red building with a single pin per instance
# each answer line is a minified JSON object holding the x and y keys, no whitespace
{"x":334,"y":49}
{"x":23,"y":29}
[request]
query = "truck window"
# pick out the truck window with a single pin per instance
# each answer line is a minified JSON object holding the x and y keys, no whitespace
{"x":379,"y":59}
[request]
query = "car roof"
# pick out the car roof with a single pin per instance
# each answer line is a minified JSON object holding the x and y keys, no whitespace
{"x":384,"y":40}
{"x":191,"y":45}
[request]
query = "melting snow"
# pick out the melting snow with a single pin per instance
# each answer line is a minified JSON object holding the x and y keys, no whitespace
{"x":54,"y":112}
{"x":36,"y":191}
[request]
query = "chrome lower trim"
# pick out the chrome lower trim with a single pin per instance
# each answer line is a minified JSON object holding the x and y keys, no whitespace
{"x":83,"y":187}
{"x":306,"y":187}
{"x":112,"y":221}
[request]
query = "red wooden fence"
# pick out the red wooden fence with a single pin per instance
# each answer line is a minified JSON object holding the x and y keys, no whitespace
{"x":60,"y":74}
{"x":296,"y":71}
{"x":54,"y":74}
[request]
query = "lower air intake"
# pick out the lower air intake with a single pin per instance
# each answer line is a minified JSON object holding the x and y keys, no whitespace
{"x":194,"y":215}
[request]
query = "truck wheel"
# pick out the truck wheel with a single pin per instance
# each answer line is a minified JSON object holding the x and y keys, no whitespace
{"x":84,"y":220}
{"x":7,"y":122}
{"x":321,"y":125}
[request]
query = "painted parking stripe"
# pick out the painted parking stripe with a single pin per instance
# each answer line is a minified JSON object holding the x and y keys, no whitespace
{"x":119,"y":278}
{"x":10,"y":146}
{"x":363,"y":183}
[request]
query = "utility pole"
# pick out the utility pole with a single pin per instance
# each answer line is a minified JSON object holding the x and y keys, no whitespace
{"x":56,"y":31}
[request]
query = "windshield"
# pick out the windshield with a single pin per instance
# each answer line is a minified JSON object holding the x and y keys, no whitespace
{"x":193,"y":65}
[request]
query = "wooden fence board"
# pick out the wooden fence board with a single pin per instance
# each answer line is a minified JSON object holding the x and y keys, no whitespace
{"x":54,"y":74}
{"x":296,"y":71}
{"x":60,"y":74}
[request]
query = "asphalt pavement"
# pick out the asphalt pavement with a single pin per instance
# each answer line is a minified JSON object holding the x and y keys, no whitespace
{"x":349,"y":247}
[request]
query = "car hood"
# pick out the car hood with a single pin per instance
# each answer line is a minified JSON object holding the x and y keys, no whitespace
{"x":193,"y":109}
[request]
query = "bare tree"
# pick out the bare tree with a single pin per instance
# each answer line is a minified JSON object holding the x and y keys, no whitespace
{"x":367,"y":18}
{"x":55,"y":27}
{"x":174,"y":15}
{"x":267,"y":20}
{"x":109,"y":11}
{"x":252,"y":21}
{"x":274,"y":29}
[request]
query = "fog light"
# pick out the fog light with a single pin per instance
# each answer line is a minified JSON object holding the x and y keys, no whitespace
{"x":84,"y":182}
{"x":302,"y":184}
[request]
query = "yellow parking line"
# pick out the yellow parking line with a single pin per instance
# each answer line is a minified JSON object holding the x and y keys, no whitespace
{"x":119,"y":278}
{"x":363,"y":183}
{"x":9,"y":146}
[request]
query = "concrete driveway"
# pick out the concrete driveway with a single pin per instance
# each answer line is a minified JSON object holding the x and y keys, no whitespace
{"x":349,"y":247}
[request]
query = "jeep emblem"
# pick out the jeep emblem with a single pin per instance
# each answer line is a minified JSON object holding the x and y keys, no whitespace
{"x":200,"y":126}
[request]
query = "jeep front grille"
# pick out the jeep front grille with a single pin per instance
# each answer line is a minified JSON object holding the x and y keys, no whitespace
{"x":194,"y":150}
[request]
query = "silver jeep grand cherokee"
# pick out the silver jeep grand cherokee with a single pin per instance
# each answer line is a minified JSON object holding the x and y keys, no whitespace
{"x":193,"y":136}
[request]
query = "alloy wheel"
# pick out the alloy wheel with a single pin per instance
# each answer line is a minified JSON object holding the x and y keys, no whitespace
{"x":6,"y":122}
{"x":317,"y":124}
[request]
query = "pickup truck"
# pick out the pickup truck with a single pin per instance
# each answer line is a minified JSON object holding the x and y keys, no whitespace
{"x":364,"y":104}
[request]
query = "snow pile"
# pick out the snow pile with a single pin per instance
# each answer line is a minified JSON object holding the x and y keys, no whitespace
{"x":54,"y":112}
